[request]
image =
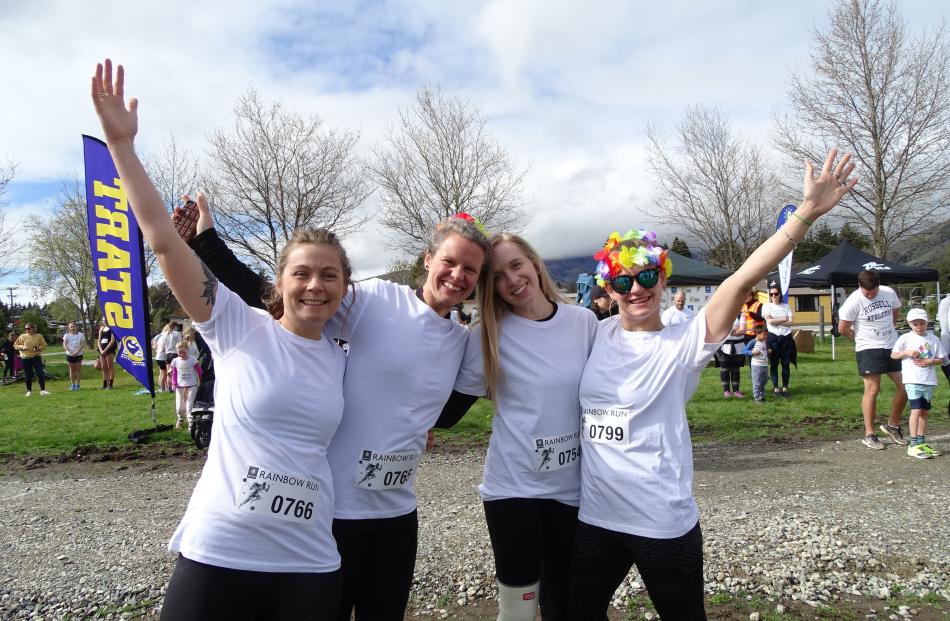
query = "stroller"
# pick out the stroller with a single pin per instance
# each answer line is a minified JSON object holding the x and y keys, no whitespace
{"x":202,"y":413}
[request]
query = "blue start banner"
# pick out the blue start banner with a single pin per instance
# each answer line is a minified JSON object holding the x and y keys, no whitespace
{"x":118,"y":262}
{"x":785,"y":266}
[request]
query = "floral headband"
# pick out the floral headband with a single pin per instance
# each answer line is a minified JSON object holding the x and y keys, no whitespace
{"x":611,"y":260}
{"x":469,"y":218}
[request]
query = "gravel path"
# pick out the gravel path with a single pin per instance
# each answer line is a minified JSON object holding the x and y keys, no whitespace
{"x":795,"y":523}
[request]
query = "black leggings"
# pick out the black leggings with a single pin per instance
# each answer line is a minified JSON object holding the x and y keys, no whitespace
{"x":781,"y":347}
{"x":34,"y":366}
{"x":729,"y":378}
{"x":379,"y":558}
{"x":671,"y":570}
{"x":532,"y":540}
{"x":198,"y":592}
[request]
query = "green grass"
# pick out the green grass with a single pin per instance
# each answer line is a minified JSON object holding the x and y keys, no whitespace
{"x":64,"y":420}
{"x":825,"y":403}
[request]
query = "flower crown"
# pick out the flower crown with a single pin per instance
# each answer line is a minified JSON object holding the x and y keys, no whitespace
{"x":469,"y":218}
{"x":611,"y":260}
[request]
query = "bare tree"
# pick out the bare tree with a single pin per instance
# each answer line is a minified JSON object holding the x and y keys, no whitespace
{"x":60,"y":258}
{"x":714,"y":185}
{"x":174,"y":171}
{"x":10,"y":246}
{"x":438,"y":160}
{"x":885,"y":97}
{"x":277,"y":170}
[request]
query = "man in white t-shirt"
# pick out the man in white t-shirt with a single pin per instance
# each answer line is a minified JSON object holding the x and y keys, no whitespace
{"x":678,"y":313}
{"x":869,"y":317}
{"x":943,"y":319}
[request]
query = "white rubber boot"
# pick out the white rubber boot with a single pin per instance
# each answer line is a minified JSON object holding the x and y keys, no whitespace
{"x":518,"y":603}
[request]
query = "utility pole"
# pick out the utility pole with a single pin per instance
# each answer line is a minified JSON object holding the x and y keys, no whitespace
{"x":12,"y":317}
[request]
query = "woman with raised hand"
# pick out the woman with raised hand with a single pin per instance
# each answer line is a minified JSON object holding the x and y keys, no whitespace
{"x":403,"y":357}
{"x":637,"y":504}
{"x":527,"y":354}
{"x":255,"y":541}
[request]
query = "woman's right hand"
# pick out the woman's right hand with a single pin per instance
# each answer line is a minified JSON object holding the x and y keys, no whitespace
{"x":204,"y":221}
{"x":119,"y":123}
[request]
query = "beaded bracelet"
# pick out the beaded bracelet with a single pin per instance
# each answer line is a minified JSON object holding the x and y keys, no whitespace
{"x":789,"y":238}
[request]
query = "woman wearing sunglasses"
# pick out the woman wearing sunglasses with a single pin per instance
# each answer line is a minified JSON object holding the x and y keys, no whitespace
{"x":778,"y":318}
{"x":637,"y":505}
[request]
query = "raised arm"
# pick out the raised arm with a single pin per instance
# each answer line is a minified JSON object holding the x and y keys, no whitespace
{"x":223,"y":263}
{"x":821,"y":194}
{"x":193,"y":285}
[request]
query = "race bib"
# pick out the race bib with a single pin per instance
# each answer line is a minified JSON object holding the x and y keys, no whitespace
{"x":383,"y":471}
{"x":557,"y":452}
{"x":606,"y":426}
{"x":277,"y":495}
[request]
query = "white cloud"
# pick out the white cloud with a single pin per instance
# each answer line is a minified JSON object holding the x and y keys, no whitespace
{"x":568,"y":87}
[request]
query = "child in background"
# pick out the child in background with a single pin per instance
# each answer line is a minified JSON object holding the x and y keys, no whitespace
{"x":759,"y":351}
{"x":920,"y":353}
{"x":185,"y":376}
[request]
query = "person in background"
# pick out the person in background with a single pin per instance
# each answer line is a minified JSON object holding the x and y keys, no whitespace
{"x":778,"y":317}
{"x":730,"y":359}
{"x":171,"y":342}
{"x":919,"y":352}
{"x":678,"y":313}
{"x":185,"y":376}
{"x":758,"y":351}
{"x":943,"y":320}
{"x":31,"y":346}
{"x":189,"y":336}
{"x":752,"y":314}
{"x":158,"y":346}
{"x":107,"y":346}
{"x":74,"y":342}
{"x":600,"y":303}
{"x":9,"y":353}
{"x":869,"y":318}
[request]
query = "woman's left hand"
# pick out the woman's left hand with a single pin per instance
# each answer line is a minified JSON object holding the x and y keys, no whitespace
{"x":833,"y":182}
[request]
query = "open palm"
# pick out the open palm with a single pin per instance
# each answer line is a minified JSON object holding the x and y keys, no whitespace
{"x":119,"y":123}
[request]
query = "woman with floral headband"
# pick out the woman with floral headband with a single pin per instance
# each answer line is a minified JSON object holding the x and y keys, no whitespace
{"x":637,"y":505}
{"x":534,"y":349}
{"x":393,"y":394}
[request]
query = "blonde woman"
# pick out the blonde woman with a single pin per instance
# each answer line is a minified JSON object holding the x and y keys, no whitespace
{"x":528,"y":355}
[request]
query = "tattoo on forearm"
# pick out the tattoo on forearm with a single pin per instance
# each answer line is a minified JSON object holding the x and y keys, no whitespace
{"x":210,"y":284}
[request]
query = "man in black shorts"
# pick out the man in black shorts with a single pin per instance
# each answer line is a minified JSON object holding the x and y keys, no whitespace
{"x":869,"y":317}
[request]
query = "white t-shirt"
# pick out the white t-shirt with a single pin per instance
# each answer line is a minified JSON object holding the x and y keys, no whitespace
{"x":73,"y":343}
{"x":264,"y":501}
{"x":171,"y":341}
{"x":159,"y":344}
{"x":943,"y":318}
{"x":873,"y":319}
{"x":762,"y":349}
{"x":534,"y":451}
{"x":778,"y":311}
{"x":637,"y":469}
{"x":673,"y":316}
{"x":928,"y":347}
{"x":185,"y":373}
{"x":402,"y":362}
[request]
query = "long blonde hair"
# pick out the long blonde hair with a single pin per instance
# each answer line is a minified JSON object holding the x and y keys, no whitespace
{"x":493,"y":308}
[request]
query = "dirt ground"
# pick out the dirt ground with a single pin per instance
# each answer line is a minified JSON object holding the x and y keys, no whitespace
{"x":822,"y":464}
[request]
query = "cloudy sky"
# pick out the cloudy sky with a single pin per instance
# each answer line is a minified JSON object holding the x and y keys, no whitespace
{"x":568,"y":87}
